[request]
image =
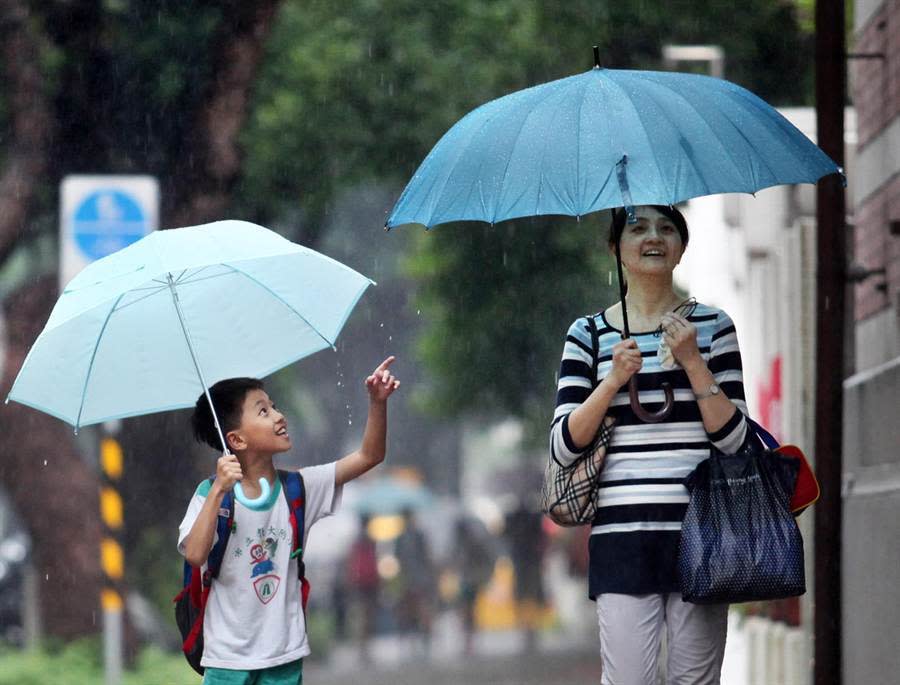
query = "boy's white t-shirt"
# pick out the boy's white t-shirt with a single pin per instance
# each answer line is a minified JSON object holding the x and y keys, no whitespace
{"x":253,"y":616}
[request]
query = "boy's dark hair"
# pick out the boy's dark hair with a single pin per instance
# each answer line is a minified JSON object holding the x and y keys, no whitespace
{"x":668,"y":211}
{"x":228,"y":399}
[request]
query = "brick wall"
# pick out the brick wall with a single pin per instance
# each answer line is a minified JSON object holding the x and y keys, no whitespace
{"x":875,"y":248}
{"x":875,"y":83}
{"x":875,"y":88}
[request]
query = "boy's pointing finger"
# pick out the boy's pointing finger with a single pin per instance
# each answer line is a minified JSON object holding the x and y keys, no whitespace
{"x":385,"y":364}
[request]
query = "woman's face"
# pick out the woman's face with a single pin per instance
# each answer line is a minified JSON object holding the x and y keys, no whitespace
{"x":651,"y":246}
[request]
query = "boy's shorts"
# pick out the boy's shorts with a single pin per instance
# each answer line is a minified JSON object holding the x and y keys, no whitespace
{"x":287,"y":674}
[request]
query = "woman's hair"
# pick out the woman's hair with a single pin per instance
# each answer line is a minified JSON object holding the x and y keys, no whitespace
{"x":620,"y":217}
{"x":228,"y":399}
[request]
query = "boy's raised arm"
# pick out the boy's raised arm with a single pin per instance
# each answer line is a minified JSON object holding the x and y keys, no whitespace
{"x":199,"y":541}
{"x":380,"y":385}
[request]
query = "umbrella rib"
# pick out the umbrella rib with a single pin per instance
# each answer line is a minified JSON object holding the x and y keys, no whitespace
{"x":515,"y":144}
{"x":281,"y":299}
{"x":87,"y":377}
{"x":140,"y":299}
{"x":643,"y":126}
{"x":715,"y":133}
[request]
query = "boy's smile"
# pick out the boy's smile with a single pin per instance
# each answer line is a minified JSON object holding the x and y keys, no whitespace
{"x":262,"y":428}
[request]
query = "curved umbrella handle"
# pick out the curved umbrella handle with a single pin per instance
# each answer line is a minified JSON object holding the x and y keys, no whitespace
{"x":643,"y":414}
{"x":259,"y":502}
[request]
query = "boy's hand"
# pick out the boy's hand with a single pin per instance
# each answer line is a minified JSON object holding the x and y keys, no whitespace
{"x":381,"y":384}
{"x":228,"y":472}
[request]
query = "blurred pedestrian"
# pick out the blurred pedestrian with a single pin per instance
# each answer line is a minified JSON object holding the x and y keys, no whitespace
{"x":474,"y":565}
{"x":642,"y":501}
{"x":363,"y":582}
{"x":417,"y":581}
{"x":525,"y":535}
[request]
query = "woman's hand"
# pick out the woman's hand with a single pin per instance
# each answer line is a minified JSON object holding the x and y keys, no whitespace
{"x":626,"y":361}
{"x":381,"y":384}
{"x":681,"y":337}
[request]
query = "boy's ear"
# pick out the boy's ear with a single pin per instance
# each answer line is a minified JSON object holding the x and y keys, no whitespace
{"x":235,"y":441}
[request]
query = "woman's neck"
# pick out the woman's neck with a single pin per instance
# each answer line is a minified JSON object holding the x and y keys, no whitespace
{"x":650,"y":298}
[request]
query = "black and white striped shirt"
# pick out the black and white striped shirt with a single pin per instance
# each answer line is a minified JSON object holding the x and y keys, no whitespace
{"x":634,"y":539}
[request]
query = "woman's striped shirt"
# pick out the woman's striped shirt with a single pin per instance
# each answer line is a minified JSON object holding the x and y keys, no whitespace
{"x":634,"y":539}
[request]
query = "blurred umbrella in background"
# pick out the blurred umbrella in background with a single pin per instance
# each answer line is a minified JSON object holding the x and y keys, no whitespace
{"x":391,"y":495}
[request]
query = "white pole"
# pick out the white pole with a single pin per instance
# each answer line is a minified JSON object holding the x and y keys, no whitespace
{"x":190,"y":344}
{"x":112,"y":645}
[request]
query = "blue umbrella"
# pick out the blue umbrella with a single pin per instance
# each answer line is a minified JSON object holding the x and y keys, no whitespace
{"x":150,"y":327}
{"x":392,"y":495}
{"x":603,"y":139}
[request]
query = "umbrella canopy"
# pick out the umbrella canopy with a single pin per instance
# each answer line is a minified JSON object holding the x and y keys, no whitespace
{"x":148,"y":327}
{"x":391,"y":496}
{"x":606,"y":138}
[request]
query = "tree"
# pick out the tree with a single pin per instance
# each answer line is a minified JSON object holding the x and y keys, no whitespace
{"x":66,"y":101}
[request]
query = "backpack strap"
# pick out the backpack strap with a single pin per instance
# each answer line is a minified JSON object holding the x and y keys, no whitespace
{"x":295,"y":492}
{"x":224,"y":526}
{"x":595,"y":344}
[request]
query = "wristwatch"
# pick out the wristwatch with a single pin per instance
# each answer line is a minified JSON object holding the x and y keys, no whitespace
{"x":713,"y":389}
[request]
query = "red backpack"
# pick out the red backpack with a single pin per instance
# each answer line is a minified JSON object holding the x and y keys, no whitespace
{"x":190,"y":603}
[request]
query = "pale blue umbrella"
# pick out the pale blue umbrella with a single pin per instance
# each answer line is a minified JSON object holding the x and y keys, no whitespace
{"x":389,"y":495}
{"x":152,"y":326}
{"x":603,"y":139}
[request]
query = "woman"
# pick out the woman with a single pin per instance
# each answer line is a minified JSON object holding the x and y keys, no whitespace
{"x":634,"y":539}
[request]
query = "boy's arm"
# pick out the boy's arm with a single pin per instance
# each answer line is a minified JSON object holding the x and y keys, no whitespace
{"x":199,"y":541}
{"x":380,"y":385}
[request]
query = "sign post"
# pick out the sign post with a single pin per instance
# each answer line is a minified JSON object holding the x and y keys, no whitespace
{"x":101,"y":215}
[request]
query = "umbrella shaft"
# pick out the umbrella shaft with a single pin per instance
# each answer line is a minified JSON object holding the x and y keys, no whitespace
{"x":190,"y":344}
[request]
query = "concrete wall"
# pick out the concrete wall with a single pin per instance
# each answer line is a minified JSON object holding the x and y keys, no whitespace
{"x":871,"y":526}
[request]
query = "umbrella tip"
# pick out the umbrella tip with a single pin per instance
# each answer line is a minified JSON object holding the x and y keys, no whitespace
{"x":596,"y":56}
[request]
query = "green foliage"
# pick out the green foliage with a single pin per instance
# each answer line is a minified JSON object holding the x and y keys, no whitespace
{"x":499,"y":301}
{"x":354,"y":91}
{"x":81,"y":663}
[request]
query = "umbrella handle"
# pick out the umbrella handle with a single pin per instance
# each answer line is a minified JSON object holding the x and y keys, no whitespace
{"x":259,"y":502}
{"x":643,"y":414}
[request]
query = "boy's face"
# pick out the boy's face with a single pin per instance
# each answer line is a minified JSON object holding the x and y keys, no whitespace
{"x":262,"y":427}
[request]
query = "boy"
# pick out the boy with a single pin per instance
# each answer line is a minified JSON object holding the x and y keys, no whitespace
{"x":253,"y":637}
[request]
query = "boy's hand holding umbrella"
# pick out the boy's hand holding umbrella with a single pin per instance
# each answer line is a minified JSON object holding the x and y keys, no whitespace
{"x":228,"y":472}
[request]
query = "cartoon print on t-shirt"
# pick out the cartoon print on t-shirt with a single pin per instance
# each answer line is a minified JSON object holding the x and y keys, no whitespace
{"x":261,"y":550}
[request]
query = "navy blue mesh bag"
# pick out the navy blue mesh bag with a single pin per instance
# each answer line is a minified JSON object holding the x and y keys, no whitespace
{"x":739,"y":540}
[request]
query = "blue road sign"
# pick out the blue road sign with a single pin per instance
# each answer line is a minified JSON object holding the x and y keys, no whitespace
{"x":106,"y":221}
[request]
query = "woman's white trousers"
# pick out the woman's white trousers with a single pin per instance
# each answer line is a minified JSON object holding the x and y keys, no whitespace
{"x":631,"y":632}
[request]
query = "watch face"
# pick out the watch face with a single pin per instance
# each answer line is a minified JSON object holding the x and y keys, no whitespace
{"x":714,"y":389}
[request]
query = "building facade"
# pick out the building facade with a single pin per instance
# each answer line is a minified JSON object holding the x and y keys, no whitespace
{"x":871,"y":485}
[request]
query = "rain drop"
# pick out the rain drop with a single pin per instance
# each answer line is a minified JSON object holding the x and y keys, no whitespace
{"x":45,"y":462}
{"x":381,"y":325}
{"x":418,"y":311}
{"x":390,"y":337}
{"x":349,"y":422}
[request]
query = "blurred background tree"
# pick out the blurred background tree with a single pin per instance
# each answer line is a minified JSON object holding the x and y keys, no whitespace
{"x":308,"y":117}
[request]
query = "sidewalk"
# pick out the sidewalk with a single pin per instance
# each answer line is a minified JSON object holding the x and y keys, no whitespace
{"x":498,"y":659}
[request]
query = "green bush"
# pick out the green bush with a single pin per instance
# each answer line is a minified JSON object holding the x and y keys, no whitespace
{"x":81,"y":663}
